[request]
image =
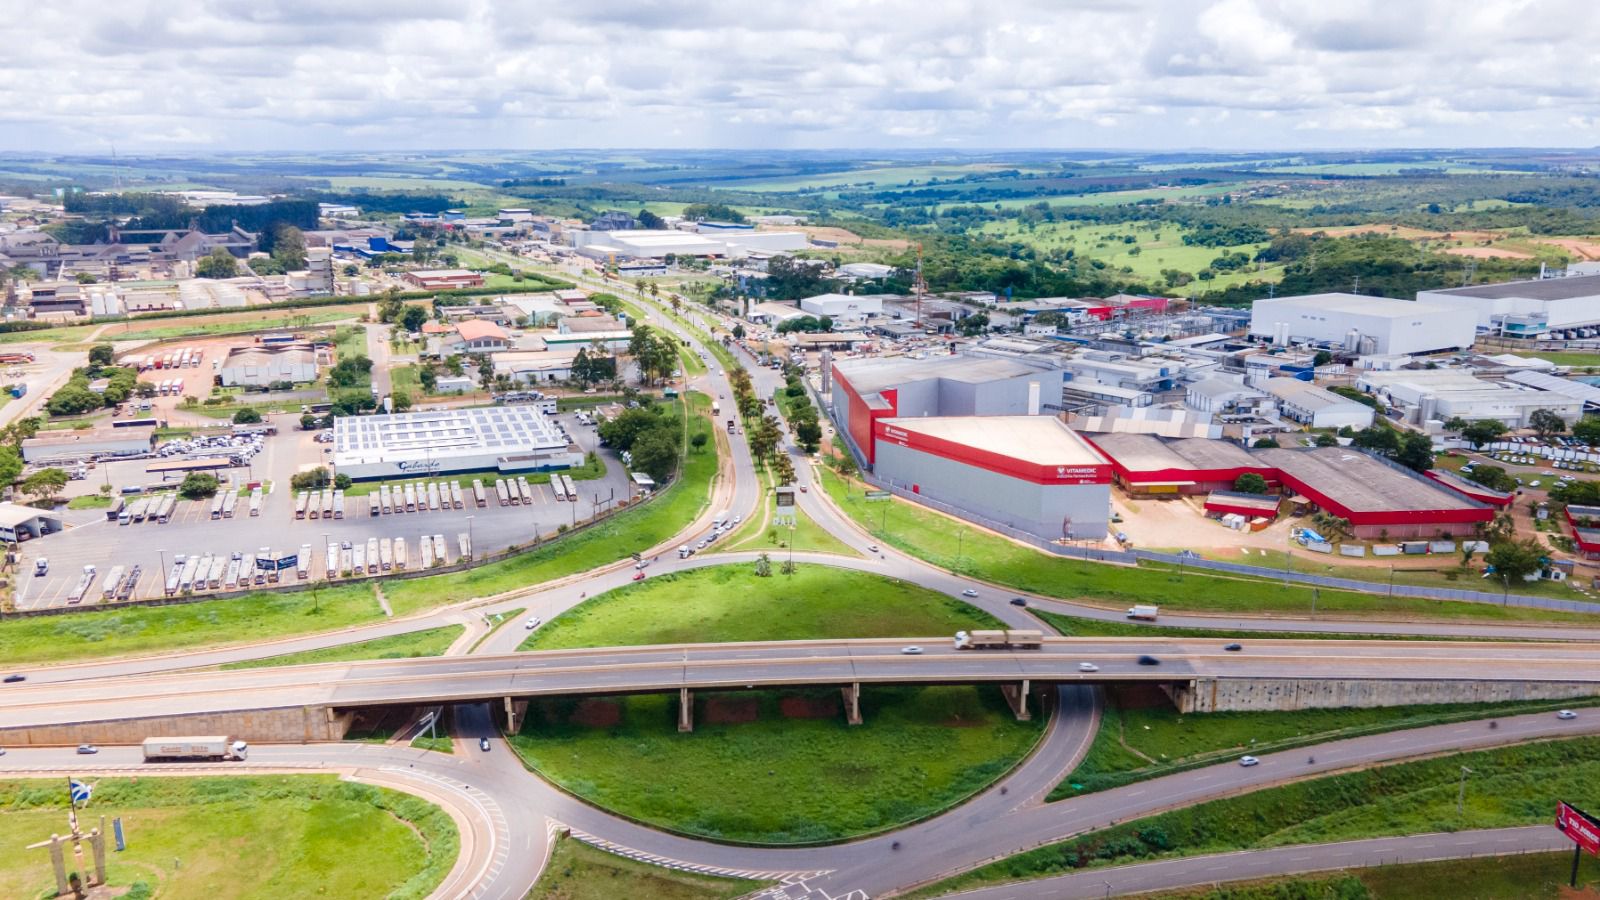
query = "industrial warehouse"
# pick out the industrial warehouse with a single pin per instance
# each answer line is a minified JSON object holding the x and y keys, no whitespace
{"x":1362,"y":324}
{"x":500,"y":438}
{"x":1028,"y":472}
{"x":1381,"y":500}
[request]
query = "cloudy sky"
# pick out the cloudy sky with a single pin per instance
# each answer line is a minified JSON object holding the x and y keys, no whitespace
{"x":82,"y":75}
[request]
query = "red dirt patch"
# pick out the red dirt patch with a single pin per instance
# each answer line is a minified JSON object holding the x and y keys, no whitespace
{"x":597,"y":713}
{"x":730,"y":710}
{"x":809,"y":707}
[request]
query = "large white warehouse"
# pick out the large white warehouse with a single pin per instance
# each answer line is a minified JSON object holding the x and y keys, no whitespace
{"x":1366,"y":325}
{"x":507,"y":438}
{"x":1526,"y":308}
{"x":843,"y":306}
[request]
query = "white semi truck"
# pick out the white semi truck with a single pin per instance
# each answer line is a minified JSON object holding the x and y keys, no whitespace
{"x":164,"y":748}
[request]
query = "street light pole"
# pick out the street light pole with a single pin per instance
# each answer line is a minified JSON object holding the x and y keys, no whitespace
{"x":1461,"y":795}
{"x":163,"y":568}
{"x":471,"y":544}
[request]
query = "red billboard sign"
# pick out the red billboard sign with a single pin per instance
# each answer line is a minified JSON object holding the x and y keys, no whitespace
{"x":1583,"y":828}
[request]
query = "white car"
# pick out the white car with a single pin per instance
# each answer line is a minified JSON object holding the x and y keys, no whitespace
{"x":1566,"y":714}
{"x":531,"y":624}
{"x":911,"y":651}
{"x":1088,"y":667}
{"x":969,"y":592}
{"x":1248,"y":761}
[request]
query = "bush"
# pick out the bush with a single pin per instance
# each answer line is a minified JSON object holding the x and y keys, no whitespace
{"x":198,"y":486}
{"x":246,"y":416}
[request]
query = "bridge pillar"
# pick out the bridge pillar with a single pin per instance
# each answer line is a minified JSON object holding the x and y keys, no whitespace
{"x":516,"y":712}
{"x":685,"y":710}
{"x":1017,"y":697}
{"x":852,"y":703}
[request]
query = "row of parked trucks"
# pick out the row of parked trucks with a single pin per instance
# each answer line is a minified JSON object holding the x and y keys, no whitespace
{"x":323,"y":504}
{"x":185,"y":358}
{"x":215,"y":572}
{"x":377,"y":555}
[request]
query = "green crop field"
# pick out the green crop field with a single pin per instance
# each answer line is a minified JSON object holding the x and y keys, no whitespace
{"x":777,"y":767}
{"x":730,"y":603}
{"x":238,"y":838}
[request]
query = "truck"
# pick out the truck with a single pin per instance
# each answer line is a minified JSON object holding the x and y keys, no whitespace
{"x":302,"y":563}
{"x":223,"y":747}
{"x":478,"y":496}
{"x":1008,"y":639}
{"x":1144,"y":612}
{"x":716,"y":409}
{"x":500,"y":492}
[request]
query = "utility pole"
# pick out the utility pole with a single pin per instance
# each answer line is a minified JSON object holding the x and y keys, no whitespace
{"x":1461,"y":794}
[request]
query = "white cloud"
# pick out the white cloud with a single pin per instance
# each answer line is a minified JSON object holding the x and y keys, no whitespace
{"x":293,"y":74}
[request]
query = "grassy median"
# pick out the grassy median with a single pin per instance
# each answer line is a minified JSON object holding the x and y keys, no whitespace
{"x":577,"y":871}
{"x":299,"y":836}
{"x":730,"y":603}
{"x":777,"y":767}
{"x":1507,"y":786}
{"x":429,"y":642}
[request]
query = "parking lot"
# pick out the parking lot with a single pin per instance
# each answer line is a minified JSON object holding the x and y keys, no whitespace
{"x":90,"y":539}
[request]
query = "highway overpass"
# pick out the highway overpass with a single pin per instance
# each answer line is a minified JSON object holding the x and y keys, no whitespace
{"x":307,"y":703}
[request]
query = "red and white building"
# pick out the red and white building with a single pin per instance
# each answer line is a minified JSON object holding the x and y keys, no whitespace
{"x":1032,"y":473}
{"x":1585,"y":522}
{"x":443,"y":279}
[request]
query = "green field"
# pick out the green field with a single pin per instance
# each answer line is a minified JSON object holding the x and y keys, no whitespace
{"x":1508,"y":786}
{"x":629,"y":531}
{"x":1138,"y":741}
{"x":90,"y":501}
{"x":1156,"y":246}
{"x":777,"y":767}
{"x":430,"y":642}
{"x":1565,"y":358}
{"x":298,"y":836}
{"x":729,"y":603}
{"x":883,"y":177}
{"x":937,"y":539}
{"x":101,"y":634}
{"x":577,"y":871}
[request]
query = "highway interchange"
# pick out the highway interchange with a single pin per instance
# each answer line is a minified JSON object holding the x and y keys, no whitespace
{"x":507,"y":815}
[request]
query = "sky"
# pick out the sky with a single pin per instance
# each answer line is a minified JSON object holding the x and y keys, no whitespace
{"x":83,"y":76}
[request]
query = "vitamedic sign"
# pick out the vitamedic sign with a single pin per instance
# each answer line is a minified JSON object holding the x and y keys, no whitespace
{"x":1578,"y":825}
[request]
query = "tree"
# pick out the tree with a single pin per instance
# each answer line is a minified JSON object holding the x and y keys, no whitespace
{"x":808,"y":433}
{"x":342,"y":481}
{"x":71,"y":400}
{"x":620,"y":432}
{"x":1250,"y":483}
{"x":1326,"y":440}
{"x":765,"y":438}
{"x":412,"y":318}
{"x":1377,"y":439}
{"x":401,"y":400}
{"x":428,"y":379}
{"x":974,"y":325}
{"x":289,"y":248}
{"x":1322,"y":358}
{"x":655,"y":352}
{"x":45,"y":483}
{"x":198,"y":486}
{"x":648,"y":219}
{"x":1415,"y":452}
{"x":1265,"y":443}
{"x":1546,"y":422}
{"x":102,"y":355}
{"x":10,"y":465}
{"x":310,"y":480}
{"x":1456,"y":424}
{"x":763,"y":566}
{"x":390,"y":306}
{"x":1483,"y":431}
{"x":308,"y":422}
{"x":1587,"y":429}
{"x":219,"y":263}
{"x":655,"y":452}
{"x":246,"y":416}
{"x":1493,"y":478}
{"x":352,"y":371}
{"x":738,"y":332}
{"x":699,"y":441}
{"x":1515,"y":560}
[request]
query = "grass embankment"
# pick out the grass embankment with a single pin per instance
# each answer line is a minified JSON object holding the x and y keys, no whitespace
{"x":937,"y":538}
{"x":90,"y":501}
{"x":101,"y":634}
{"x":729,"y":603}
{"x":629,"y":531}
{"x":431,"y":642}
{"x":1073,"y":626}
{"x":302,"y":836}
{"x":1531,"y":876}
{"x":1508,"y":786}
{"x":777,"y":767}
{"x":1143,"y":737}
{"x":592,"y":468}
{"x":577,"y":871}
{"x":438,"y":744}
{"x":760,"y":533}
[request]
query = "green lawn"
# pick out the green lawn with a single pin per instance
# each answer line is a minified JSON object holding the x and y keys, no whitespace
{"x":297,"y":836}
{"x":759,"y":533}
{"x":788,"y":769}
{"x":1507,"y":786}
{"x":90,"y":501}
{"x":937,"y":538}
{"x":577,"y":871}
{"x":626,"y":532}
{"x":1138,"y":741}
{"x":213,"y":329}
{"x":439,"y":744}
{"x":1564,"y":358}
{"x":431,"y":642}
{"x":101,"y":634}
{"x":729,"y":603}
{"x":1530,"y":876}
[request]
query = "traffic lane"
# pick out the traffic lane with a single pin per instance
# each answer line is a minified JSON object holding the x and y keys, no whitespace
{"x":1249,"y":865}
{"x":945,"y":848}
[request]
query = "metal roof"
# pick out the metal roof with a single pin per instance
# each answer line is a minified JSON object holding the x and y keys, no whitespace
{"x":1044,"y":440}
{"x":1536,"y":289}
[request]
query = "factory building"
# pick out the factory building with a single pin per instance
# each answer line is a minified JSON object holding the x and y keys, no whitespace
{"x":1143,"y":464}
{"x":437,"y":442}
{"x":1361,"y":324}
{"x":842,"y":307}
{"x":1565,"y":307}
{"x":80,"y":444}
{"x":1304,"y":402}
{"x":1032,"y":473}
{"x":262,"y":366}
{"x":1443,"y":394}
{"x":865,"y":390}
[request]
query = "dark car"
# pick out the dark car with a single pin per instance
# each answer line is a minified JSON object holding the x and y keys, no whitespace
{"x":1018,"y":601}
{"x":483,"y":744}
{"x":1233,"y":648}
{"x":13,"y":679}
{"x":1148,"y":660}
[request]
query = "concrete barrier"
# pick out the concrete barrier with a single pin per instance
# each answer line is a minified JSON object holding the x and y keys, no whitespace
{"x":285,"y":725}
{"x":1257,"y":695}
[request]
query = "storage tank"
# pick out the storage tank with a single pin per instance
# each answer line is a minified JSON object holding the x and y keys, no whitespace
{"x":1352,"y":340}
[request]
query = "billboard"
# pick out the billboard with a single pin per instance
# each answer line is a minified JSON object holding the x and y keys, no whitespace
{"x":1578,"y":825}
{"x":267,"y":564}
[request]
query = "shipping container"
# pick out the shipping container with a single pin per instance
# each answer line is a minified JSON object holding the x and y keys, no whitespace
{"x":230,"y":501}
{"x":384,"y":503}
{"x":425,"y":551}
{"x":358,"y":558}
{"x":219,"y":566}
{"x":525,"y":490}
{"x":230,"y":579}
{"x":130,"y":584}
{"x":464,"y":542}
{"x":433,"y":496}
{"x":327,"y":503}
{"x":411,"y":497}
{"x":174,"y":575}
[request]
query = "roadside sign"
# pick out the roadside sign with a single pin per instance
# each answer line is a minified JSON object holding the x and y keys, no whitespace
{"x":1578,"y":825}
{"x":877,"y":495}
